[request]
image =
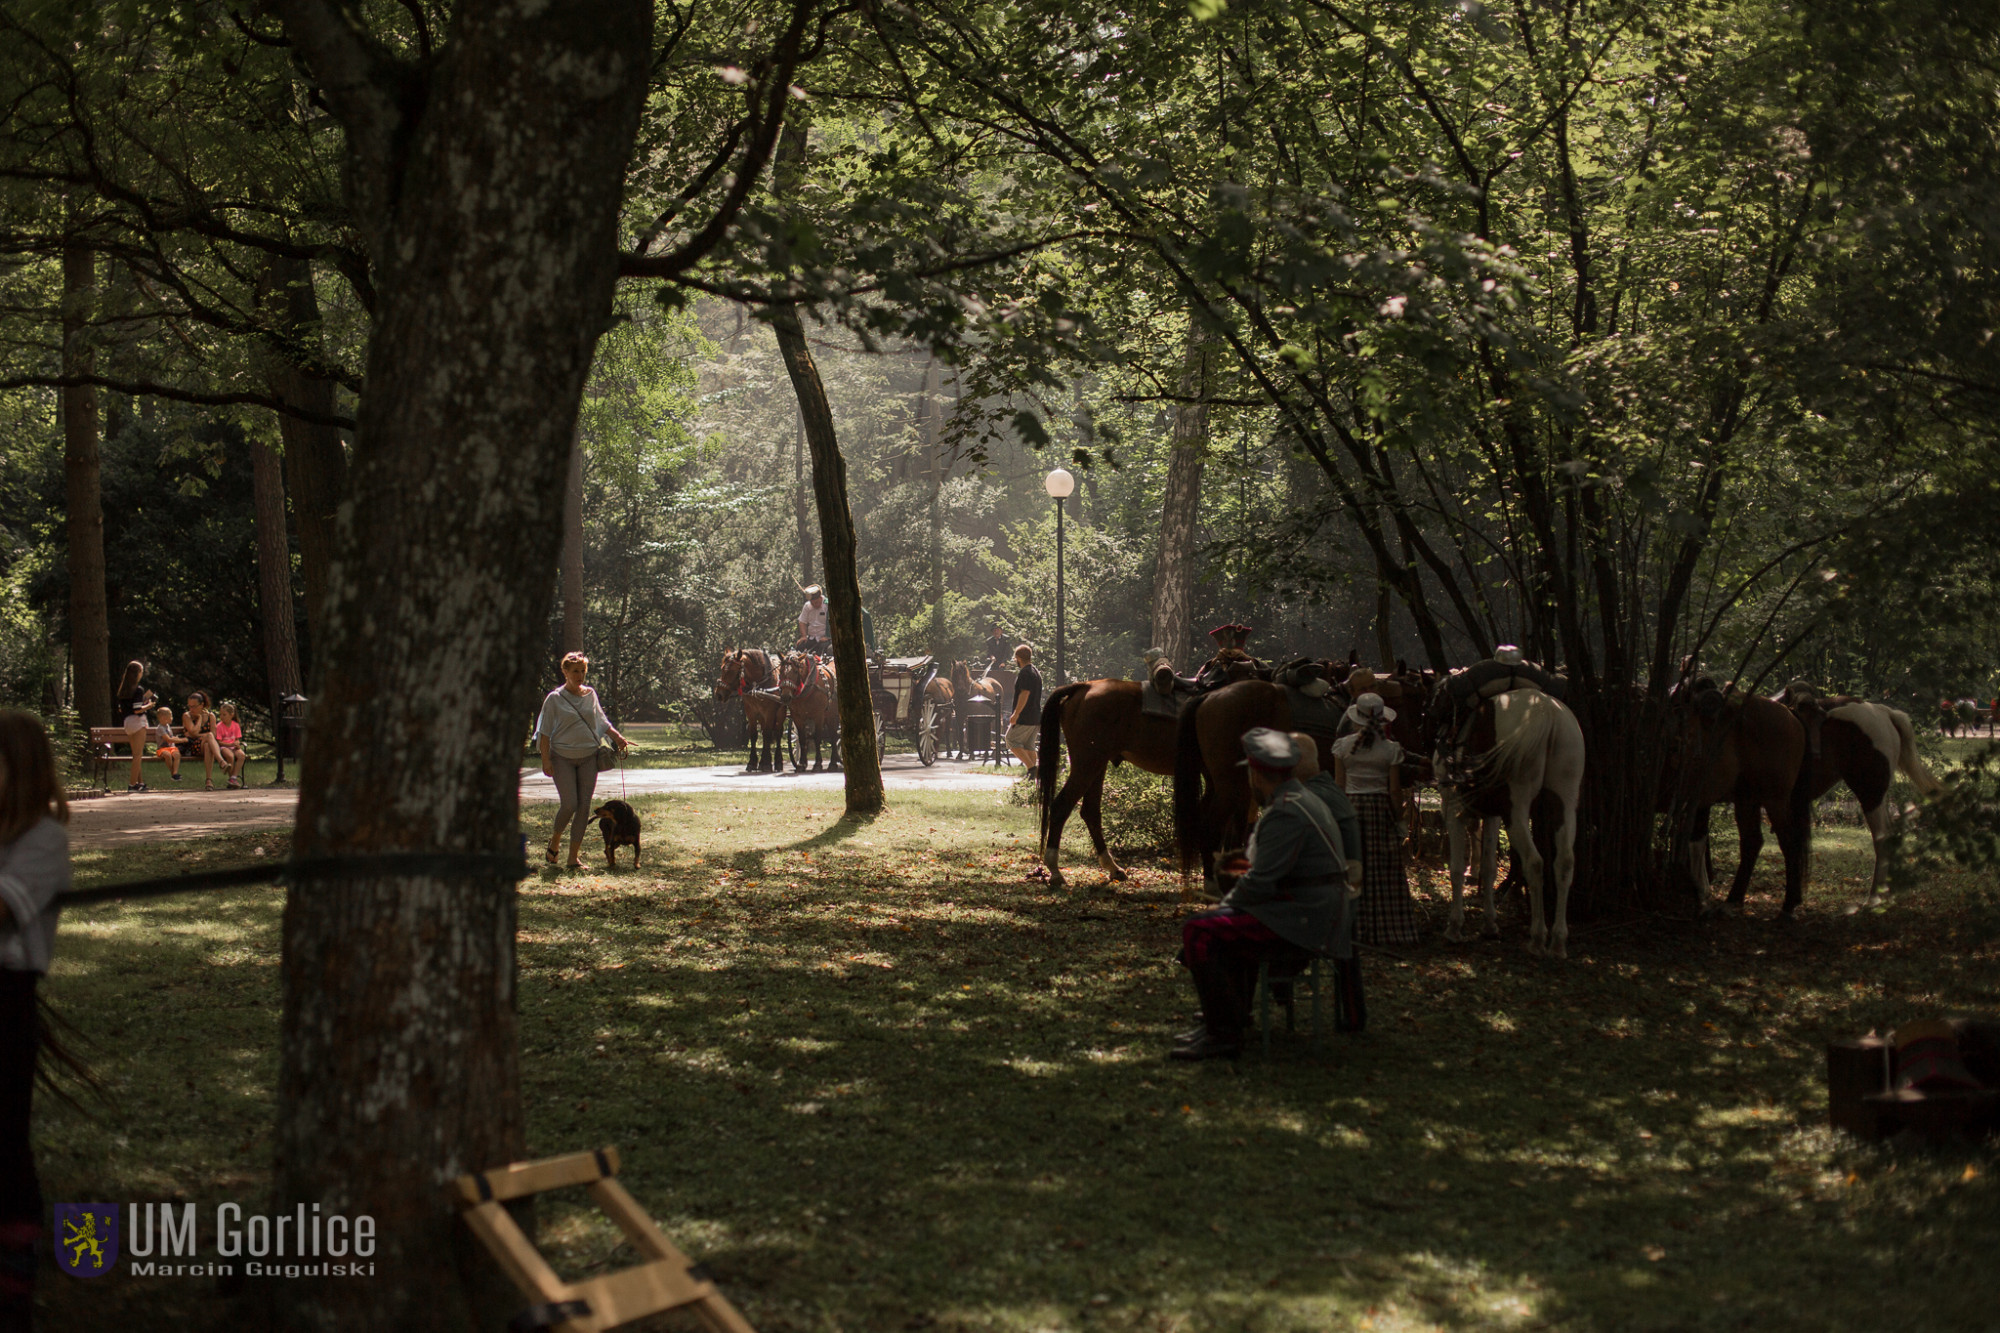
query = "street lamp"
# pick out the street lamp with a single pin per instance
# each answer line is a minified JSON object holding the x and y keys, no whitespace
{"x":1059,"y":484}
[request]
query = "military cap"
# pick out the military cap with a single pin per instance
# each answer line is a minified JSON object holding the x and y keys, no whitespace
{"x":1272,"y":751}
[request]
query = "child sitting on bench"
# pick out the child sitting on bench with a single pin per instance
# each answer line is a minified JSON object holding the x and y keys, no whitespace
{"x":229,"y":742}
{"x":166,"y":749}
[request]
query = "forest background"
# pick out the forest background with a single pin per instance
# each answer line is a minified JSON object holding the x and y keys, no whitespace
{"x":1456,"y":311}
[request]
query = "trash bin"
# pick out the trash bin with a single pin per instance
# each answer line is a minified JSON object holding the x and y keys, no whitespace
{"x":290,"y":725}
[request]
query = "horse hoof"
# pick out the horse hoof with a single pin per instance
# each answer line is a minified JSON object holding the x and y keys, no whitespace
{"x":1560,"y":949}
{"x":1453,"y":934}
{"x":1490,"y":933}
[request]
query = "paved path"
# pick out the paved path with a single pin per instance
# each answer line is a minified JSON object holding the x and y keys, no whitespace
{"x":122,"y":819}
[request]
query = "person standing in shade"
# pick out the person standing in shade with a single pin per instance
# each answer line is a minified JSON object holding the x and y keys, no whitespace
{"x":132,"y":710}
{"x":571,"y":727}
{"x":812,"y":623}
{"x":1024,"y":724}
{"x":1366,"y":766}
{"x":34,"y":871}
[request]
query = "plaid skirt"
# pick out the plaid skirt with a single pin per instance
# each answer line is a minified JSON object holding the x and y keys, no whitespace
{"x":1386,"y":913}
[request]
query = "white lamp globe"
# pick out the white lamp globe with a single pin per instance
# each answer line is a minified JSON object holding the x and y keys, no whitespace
{"x":1059,"y":484}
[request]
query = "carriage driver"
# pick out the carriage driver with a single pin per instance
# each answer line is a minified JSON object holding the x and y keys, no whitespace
{"x":1288,"y":906}
{"x":812,"y":622}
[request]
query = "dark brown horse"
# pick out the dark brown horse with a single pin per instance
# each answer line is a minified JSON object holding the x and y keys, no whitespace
{"x":750,"y":674}
{"x":1103,"y":724}
{"x":1212,"y":799}
{"x":806,"y":683}
{"x":1724,"y":745}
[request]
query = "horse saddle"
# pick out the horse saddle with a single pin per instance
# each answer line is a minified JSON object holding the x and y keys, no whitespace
{"x":1165,"y":693}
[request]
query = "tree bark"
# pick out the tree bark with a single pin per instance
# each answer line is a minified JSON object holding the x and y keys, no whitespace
{"x":1180,"y":507}
{"x":83,"y":495}
{"x":572,"y":549}
{"x":843,"y":583}
{"x":487,"y":185}
{"x":315,"y":462}
{"x":274,"y":573}
{"x":799,"y":501}
{"x":931,"y":434}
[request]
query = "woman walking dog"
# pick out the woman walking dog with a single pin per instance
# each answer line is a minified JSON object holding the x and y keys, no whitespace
{"x":570,"y":732}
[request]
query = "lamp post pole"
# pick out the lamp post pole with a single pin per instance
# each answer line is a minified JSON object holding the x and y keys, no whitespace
{"x":1059,"y":484}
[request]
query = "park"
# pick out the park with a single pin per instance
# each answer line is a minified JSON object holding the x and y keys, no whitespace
{"x":609,"y":716}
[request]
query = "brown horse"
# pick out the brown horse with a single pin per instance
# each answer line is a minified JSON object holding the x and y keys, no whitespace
{"x":806,"y":683}
{"x":1724,"y":745}
{"x":1104,"y":725}
{"x":749,"y":674}
{"x":1863,"y":745}
{"x":1212,"y":799}
{"x":968,"y":690}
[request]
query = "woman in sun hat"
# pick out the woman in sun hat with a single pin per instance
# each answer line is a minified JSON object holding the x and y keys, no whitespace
{"x":1365,"y":765}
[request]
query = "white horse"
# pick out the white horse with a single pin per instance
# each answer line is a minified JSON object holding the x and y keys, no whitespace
{"x":1537,"y":747}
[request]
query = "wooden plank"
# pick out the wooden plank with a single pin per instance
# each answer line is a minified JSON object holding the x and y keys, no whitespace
{"x":721,"y":1317}
{"x":522,"y":1178}
{"x":620,"y":1297}
{"x":645,"y":1235}
{"x":516,"y":1254}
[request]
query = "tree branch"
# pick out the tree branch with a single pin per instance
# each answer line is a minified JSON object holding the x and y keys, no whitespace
{"x":147,"y":389}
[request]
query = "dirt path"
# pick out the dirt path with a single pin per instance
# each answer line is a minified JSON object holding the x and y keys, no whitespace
{"x":123,"y":820}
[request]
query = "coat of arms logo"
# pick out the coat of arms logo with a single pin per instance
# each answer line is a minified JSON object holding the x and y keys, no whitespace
{"x":86,"y":1238}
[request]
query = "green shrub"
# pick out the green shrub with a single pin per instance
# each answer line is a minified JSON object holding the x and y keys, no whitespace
{"x":1138,"y":811}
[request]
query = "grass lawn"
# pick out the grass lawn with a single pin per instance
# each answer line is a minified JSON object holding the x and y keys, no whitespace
{"x":878,"y":1081}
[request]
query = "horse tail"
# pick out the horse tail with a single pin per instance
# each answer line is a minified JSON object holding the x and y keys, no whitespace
{"x":1048,"y":755}
{"x":1907,"y":757}
{"x":1187,"y":784}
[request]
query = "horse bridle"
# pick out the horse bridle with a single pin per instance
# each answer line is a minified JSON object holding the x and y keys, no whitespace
{"x":813,"y":667}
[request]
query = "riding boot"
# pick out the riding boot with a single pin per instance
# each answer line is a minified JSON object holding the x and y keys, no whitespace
{"x":1223,"y":1011}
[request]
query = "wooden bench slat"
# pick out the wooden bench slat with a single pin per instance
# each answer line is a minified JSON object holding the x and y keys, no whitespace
{"x":523,"y":1262}
{"x":523,"y":1178}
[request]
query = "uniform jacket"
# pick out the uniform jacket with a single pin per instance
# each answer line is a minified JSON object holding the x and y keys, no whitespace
{"x":1296,"y":883}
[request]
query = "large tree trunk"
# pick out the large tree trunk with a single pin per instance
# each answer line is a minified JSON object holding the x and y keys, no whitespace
{"x":572,"y":549}
{"x":799,"y":502}
{"x":315,"y":463}
{"x":843,"y":584}
{"x":931,"y":434}
{"x":89,"y":624}
{"x":1180,"y":507}
{"x":487,"y":186}
{"x":274,"y":573}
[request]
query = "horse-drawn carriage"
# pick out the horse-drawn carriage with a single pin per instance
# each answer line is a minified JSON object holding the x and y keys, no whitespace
{"x":905,"y":705}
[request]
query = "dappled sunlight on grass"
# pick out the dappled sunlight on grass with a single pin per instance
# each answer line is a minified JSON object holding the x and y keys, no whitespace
{"x":879,"y":1079}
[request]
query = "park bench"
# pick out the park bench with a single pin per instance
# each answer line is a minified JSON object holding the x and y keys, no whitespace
{"x":108,"y":747}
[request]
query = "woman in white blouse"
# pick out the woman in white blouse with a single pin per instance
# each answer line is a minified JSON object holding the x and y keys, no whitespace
{"x":1366,"y":764}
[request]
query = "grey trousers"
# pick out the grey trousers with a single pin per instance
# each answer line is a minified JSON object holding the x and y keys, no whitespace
{"x":576,"y":782}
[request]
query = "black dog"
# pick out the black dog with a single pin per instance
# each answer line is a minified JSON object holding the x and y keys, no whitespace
{"x":619,"y":823}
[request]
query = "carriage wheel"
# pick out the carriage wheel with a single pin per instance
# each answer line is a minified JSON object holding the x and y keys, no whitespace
{"x":927,"y":735}
{"x":791,"y":743}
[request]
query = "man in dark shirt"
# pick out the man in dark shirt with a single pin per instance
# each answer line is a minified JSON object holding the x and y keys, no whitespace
{"x":996,"y":648}
{"x":1024,"y":724}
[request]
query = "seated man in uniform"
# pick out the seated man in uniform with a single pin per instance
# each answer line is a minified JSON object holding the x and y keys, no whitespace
{"x":812,"y":623}
{"x":1288,"y":906}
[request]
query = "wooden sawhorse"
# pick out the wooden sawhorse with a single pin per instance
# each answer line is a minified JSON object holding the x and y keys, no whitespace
{"x":665,"y":1280}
